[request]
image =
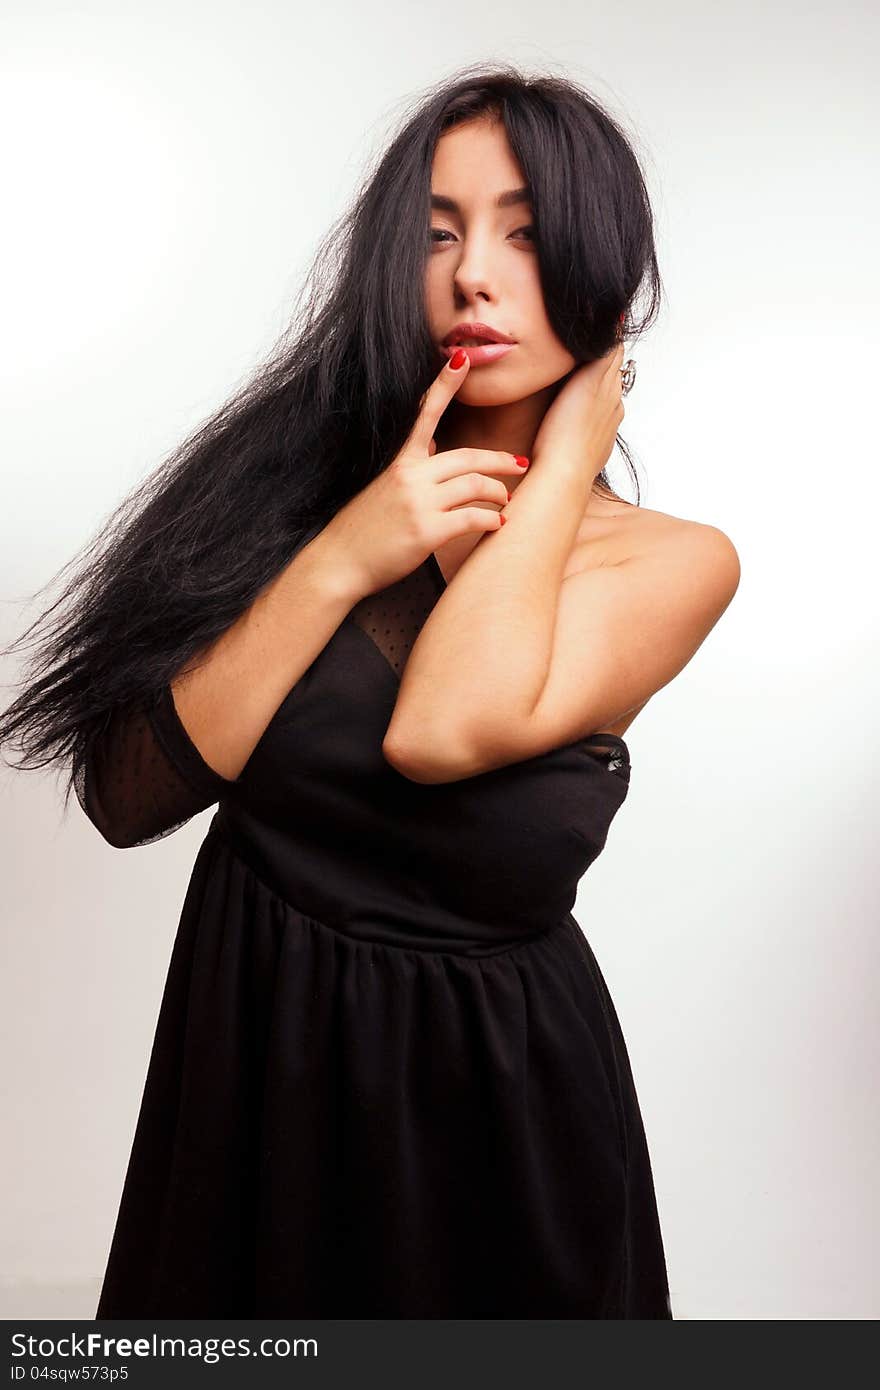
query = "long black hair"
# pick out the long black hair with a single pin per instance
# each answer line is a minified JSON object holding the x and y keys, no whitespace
{"x":191,"y":547}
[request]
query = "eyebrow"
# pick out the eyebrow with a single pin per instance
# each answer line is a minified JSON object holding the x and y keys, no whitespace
{"x":504,"y":200}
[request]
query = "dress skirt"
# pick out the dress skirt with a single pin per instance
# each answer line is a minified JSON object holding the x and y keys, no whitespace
{"x":341,"y":1127}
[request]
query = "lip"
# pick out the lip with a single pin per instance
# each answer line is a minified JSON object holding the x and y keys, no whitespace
{"x":484,"y":331}
{"x":486,"y":352}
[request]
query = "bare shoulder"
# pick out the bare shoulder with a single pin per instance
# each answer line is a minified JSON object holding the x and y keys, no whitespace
{"x":665,"y":580}
{"x":624,"y":534}
{"x":701,"y":539}
{"x":698,"y":559}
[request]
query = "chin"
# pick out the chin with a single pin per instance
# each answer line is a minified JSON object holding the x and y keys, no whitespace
{"x":486,"y":393}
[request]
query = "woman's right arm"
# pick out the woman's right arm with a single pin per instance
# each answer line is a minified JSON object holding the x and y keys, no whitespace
{"x":151,"y":769}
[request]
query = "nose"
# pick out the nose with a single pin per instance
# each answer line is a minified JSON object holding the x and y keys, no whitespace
{"x":474,"y":276}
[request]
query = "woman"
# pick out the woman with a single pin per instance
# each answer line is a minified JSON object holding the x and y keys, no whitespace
{"x":387,"y":612}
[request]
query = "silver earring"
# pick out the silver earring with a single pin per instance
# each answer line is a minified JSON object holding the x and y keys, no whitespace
{"x":628,"y":375}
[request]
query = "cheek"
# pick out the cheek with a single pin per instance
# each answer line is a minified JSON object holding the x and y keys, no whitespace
{"x":437,"y":282}
{"x":543,"y":355}
{"x":533,"y":319}
{"x":432,"y":300}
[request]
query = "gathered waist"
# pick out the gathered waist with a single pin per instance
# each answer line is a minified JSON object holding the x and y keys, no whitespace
{"x":374,"y":907}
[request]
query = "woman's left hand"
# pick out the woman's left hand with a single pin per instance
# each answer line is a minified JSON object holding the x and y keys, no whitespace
{"x":582,"y":422}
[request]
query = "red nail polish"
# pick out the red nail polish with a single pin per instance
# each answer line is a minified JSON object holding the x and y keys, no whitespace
{"x":503,"y":518}
{"x":521,"y":460}
{"x":458,"y":359}
{"x":508,"y":494}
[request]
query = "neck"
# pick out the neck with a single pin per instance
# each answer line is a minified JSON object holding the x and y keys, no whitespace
{"x":511,"y":427}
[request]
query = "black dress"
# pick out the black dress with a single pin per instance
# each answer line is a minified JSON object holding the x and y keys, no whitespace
{"x":387,"y":1079}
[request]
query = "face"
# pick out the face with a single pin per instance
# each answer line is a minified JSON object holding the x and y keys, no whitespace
{"x":483,"y":265}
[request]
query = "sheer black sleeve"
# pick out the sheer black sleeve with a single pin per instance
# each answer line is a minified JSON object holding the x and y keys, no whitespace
{"x":142,"y":776}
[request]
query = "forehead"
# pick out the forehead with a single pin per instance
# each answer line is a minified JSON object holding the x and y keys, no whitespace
{"x":474,"y":162}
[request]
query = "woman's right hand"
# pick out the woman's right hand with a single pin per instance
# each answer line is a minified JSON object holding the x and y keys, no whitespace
{"x":421,"y":500}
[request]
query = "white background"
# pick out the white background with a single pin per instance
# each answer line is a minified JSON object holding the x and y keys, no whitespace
{"x":168,"y":170}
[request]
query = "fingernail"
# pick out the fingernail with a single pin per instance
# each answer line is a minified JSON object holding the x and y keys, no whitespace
{"x":508,"y":494}
{"x":521,"y":460}
{"x":458,"y":359}
{"x":503,"y":518}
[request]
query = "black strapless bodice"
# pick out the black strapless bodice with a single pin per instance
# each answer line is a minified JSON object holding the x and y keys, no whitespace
{"x":476,"y":863}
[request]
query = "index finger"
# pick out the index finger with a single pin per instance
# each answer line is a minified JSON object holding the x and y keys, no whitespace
{"x":436,"y":399}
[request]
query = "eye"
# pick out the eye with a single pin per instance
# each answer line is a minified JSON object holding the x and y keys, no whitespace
{"x":436,"y":233}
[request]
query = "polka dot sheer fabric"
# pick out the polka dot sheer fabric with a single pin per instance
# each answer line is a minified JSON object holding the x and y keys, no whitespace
{"x":394,"y":617}
{"x":143,"y":776}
